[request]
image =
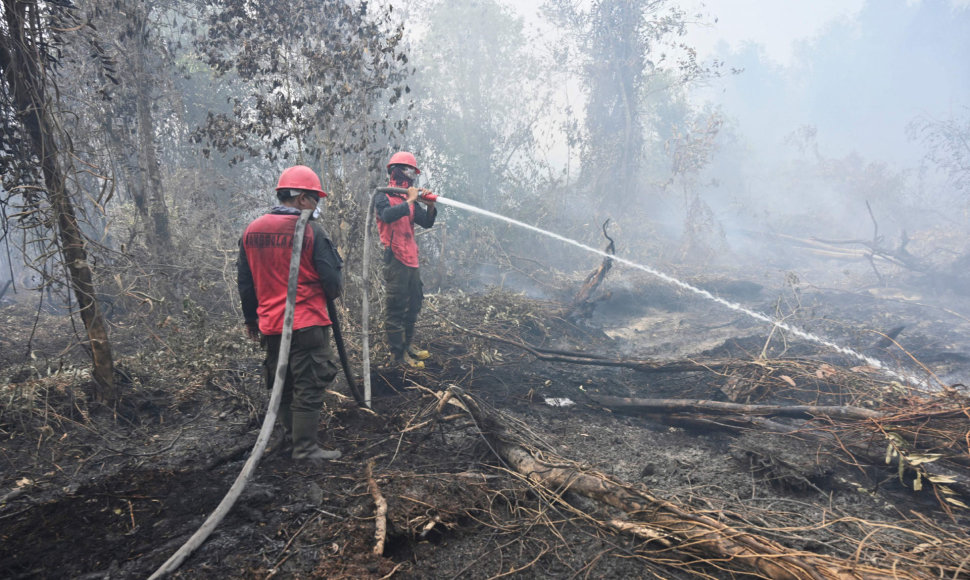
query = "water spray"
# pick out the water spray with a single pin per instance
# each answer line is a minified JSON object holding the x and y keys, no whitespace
{"x":875,"y":363}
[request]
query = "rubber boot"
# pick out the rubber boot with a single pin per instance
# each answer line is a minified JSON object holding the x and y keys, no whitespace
{"x":305,"y":447}
{"x":408,"y":361}
{"x":285,"y":418}
{"x":418,"y":353}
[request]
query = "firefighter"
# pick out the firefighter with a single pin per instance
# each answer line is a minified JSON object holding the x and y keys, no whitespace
{"x":396,"y":215}
{"x":263,"y":271}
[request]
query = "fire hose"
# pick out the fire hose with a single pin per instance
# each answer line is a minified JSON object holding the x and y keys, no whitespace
{"x":342,"y":352}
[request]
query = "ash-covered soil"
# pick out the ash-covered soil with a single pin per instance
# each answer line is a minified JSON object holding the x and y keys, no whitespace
{"x":92,"y":492}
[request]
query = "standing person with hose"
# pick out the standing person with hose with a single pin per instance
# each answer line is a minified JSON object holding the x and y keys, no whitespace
{"x":262,"y":278}
{"x":396,"y":212}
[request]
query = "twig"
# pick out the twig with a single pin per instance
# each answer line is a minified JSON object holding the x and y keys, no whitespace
{"x":280,"y":559}
{"x":380,"y":524}
{"x":11,"y":495}
{"x":393,"y":570}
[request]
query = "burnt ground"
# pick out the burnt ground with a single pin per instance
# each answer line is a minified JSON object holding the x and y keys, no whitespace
{"x":92,"y":492}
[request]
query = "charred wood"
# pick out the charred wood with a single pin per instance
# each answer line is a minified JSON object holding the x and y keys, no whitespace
{"x":925,"y":452}
{"x":666,"y":523}
{"x":380,"y":523}
{"x":720,"y":407}
{"x":582,"y":305}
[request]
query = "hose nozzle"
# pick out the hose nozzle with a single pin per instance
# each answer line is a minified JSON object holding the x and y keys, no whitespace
{"x":429,"y":196}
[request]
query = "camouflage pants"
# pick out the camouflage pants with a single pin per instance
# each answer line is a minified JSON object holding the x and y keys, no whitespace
{"x":405,"y":293}
{"x":311,"y":369}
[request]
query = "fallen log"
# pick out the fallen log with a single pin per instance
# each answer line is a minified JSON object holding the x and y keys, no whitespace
{"x":720,"y":407}
{"x":691,"y":533}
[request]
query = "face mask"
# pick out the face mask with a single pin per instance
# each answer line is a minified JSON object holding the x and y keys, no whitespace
{"x":411,"y":173}
{"x":315,"y":214}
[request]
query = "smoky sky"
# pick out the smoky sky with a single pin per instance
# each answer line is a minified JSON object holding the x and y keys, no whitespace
{"x":859,"y":82}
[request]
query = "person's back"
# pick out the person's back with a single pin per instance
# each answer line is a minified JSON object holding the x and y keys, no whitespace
{"x":268,"y":242}
{"x":263,"y":275}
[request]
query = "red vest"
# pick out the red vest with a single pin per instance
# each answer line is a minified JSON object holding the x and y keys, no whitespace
{"x":399,"y":234}
{"x":269,"y":244}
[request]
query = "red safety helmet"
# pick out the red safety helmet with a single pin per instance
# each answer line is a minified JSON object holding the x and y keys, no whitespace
{"x":404,"y":158}
{"x":300,"y":177}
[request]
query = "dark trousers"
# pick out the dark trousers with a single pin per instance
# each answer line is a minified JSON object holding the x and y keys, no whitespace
{"x":405,"y":293}
{"x":311,"y":369}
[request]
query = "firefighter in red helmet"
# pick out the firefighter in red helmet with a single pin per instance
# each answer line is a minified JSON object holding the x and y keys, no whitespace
{"x":263,"y":272}
{"x":396,"y":215}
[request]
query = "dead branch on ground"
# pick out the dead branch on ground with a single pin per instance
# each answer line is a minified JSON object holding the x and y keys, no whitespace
{"x":672,"y":526}
{"x":923,"y":443}
{"x":720,"y":407}
{"x":817,"y":368}
{"x":380,"y":524}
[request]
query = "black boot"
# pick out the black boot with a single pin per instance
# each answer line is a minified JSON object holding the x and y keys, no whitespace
{"x":285,"y":418}
{"x":305,"y":447}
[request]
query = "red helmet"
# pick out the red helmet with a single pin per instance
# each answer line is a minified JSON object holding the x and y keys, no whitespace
{"x":404,"y":158}
{"x":300,"y":177}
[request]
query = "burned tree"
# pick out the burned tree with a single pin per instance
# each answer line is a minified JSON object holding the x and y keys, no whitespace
{"x":318,"y":82}
{"x":583,"y":304}
{"x":33,"y":164}
{"x":136,"y":97}
{"x":615,"y":127}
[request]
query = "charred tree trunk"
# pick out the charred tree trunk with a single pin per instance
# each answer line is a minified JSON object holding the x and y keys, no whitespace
{"x":582,"y":305}
{"x":149,"y":195}
{"x":23,"y":66}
